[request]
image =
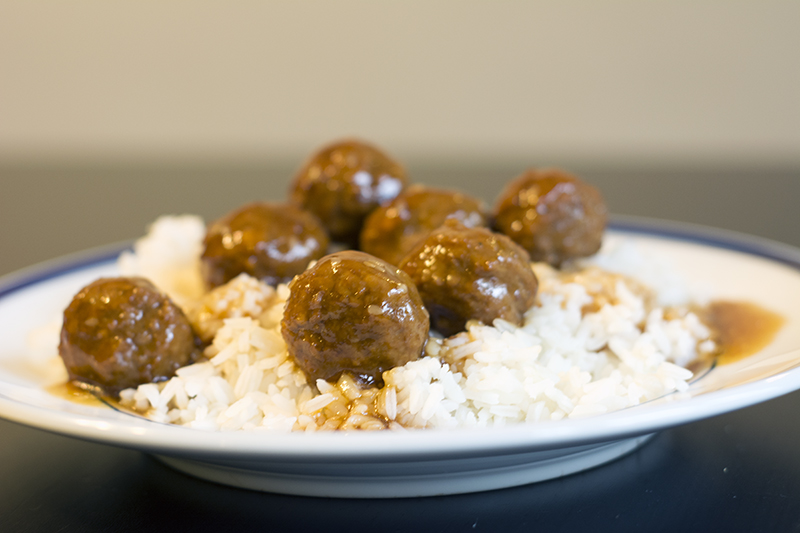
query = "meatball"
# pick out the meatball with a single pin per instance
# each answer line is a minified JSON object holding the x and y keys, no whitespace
{"x":553,"y":215}
{"x":354,"y":313}
{"x":271,"y":242}
{"x":342,"y":183}
{"x":391,"y":231}
{"x":123,"y":332}
{"x":471,"y":274}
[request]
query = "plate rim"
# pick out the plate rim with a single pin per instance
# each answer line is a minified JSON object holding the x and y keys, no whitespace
{"x":415,"y":445}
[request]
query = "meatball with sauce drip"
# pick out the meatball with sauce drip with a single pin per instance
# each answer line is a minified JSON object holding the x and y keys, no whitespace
{"x":392,"y":230}
{"x":343,"y":182}
{"x":353,"y":313}
{"x":271,"y":242}
{"x":123,"y":332}
{"x":553,"y":215}
{"x":467,"y":274}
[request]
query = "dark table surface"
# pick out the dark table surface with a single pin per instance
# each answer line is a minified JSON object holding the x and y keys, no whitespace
{"x":736,"y":472}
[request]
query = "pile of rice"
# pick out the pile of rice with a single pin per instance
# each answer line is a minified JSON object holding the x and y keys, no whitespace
{"x":595,"y":341}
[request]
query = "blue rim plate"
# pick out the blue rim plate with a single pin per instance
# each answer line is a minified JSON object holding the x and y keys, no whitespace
{"x":412,"y":463}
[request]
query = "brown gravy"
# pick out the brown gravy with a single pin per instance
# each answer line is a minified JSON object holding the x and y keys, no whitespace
{"x":89,"y":395}
{"x":740,"y":328}
{"x":76,"y":394}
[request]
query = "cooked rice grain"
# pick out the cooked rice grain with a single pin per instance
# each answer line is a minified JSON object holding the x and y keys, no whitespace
{"x":595,"y":342}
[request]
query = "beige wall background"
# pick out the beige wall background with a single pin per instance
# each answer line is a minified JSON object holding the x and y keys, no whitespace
{"x":709,"y":82}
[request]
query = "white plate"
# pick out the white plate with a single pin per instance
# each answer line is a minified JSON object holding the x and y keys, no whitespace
{"x":424,"y":462}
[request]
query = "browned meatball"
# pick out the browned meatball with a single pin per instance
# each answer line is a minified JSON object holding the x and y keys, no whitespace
{"x":122,"y":332}
{"x":271,"y":242}
{"x":343,"y":182}
{"x":354,"y":313}
{"x":471,"y":274}
{"x":553,"y":215}
{"x":392,"y":230}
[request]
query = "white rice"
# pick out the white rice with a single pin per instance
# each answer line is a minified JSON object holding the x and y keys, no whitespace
{"x":169,"y":256}
{"x":594,"y":342}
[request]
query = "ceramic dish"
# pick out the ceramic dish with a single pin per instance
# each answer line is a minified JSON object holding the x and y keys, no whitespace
{"x":423,"y":462}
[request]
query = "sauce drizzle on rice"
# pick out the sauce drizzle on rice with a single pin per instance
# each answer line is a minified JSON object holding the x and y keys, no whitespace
{"x":594,"y":342}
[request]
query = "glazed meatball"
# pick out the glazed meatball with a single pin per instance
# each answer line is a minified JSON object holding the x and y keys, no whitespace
{"x":343,"y":183}
{"x":391,"y":231}
{"x":271,"y":242}
{"x":354,"y":313}
{"x":553,"y":215}
{"x":471,"y":274}
{"x":123,"y":332}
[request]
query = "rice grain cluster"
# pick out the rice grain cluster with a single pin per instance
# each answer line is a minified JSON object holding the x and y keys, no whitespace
{"x":594,"y":342}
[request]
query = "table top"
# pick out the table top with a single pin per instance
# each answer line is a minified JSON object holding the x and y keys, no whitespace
{"x":735,"y":472}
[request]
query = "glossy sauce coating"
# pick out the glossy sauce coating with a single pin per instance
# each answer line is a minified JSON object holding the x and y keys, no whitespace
{"x":471,"y":274}
{"x":271,"y":242}
{"x":122,"y":332}
{"x":353,"y":313}
{"x":343,"y":182}
{"x":392,"y":230}
{"x":553,"y":215}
